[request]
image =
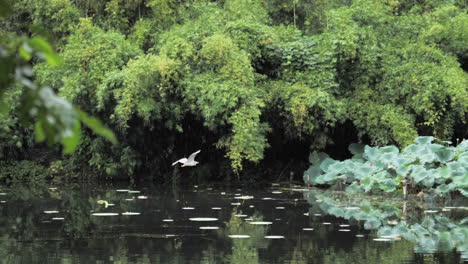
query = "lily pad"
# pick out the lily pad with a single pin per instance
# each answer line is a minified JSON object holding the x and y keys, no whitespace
{"x":239,"y":236}
{"x":131,"y":213}
{"x":105,"y":214}
{"x":261,"y":223}
{"x":203,"y":219}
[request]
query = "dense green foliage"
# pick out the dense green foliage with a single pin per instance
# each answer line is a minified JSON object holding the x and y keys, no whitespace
{"x":55,"y":119}
{"x":169,"y":76}
{"x":424,"y":164}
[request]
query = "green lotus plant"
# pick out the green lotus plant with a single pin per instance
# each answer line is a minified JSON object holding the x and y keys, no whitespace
{"x":426,"y":164}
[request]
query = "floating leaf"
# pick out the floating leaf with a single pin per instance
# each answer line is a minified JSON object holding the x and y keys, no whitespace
{"x":130,"y":213}
{"x":261,"y":223}
{"x":239,"y":236}
{"x":209,"y":227}
{"x":105,"y":214}
{"x":203,"y":219}
{"x":274,"y":237}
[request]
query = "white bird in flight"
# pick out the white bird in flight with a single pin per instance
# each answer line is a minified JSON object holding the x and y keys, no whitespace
{"x":187,"y":162}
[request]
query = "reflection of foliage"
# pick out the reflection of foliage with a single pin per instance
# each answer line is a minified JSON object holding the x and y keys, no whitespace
{"x":245,"y":250}
{"x":430,"y":233}
{"x":426,"y":164}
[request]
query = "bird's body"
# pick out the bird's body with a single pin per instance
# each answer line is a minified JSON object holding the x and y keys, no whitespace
{"x":188,"y":162}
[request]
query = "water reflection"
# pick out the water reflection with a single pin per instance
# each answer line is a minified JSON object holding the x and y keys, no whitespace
{"x":441,"y":228}
{"x":29,"y":235}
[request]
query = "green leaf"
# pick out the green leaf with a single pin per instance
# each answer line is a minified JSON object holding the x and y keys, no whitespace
{"x":337,"y":167}
{"x":24,"y":53}
{"x":389,"y":149}
{"x":317,"y":157}
{"x":387,"y":185}
{"x":96,"y":126}
{"x":326,"y":163}
{"x":445,"y":172}
{"x":356,"y":149}
{"x":463,"y":146}
{"x":419,"y":173}
{"x":39,"y":132}
{"x":444,"y":188}
{"x":444,"y":155}
{"x":46,"y":50}
{"x":423,"y":140}
{"x":71,"y":142}
{"x":428,"y":181}
{"x":461,"y":181}
{"x":329,"y":177}
{"x":388,"y":158}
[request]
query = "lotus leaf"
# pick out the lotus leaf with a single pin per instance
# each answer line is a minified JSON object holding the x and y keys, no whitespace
{"x":319,"y":180}
{"x":372,"y":223}
{"x":356,"y":149}
{"x":337,"y":211}
{"x":317,"y":157}
{"x":427,"y":164}
{"x":444,"y":155}
{"x":337,"y":168}
{"x":387,"y":185}
{"x":423,"y":140}
{"x":389,"y":149}
{"x":388,"y":158}
{"x":312,"y":172}
{"x":419,"y":173}
{"x":428,"y":181}
{"x":463,"y":146}
{"x":326,"y":163}
{"x":329,"y":177}
{"x":444,"y":188}
{"x":463,"y":158}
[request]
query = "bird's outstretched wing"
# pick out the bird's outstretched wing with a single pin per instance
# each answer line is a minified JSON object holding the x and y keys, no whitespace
{"x":183,"y":160}
{"x":192,"y":156}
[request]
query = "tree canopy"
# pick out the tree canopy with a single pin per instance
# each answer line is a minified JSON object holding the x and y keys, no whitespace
{"x":238,"y":74}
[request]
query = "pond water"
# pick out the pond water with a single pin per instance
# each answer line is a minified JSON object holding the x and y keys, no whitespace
{"x":220,"y":224}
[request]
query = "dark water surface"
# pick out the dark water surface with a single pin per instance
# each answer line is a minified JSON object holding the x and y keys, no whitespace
{"x":51,"y":225}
